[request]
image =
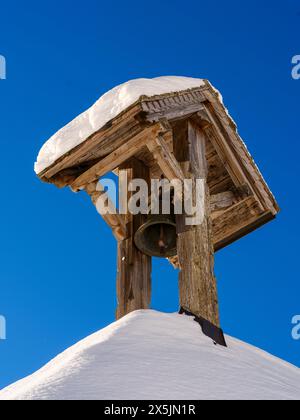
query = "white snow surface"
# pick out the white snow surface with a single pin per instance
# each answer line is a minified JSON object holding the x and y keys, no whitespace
{"x":152,"y":355}
{"x":105,"y":109}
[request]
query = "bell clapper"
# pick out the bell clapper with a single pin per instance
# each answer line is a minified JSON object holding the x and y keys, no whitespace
{"x":161,"y":242}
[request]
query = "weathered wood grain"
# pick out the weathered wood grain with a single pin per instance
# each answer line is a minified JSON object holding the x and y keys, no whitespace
{"x":229,"y":129}
{"x":222,"y":200}
{"x":134,"y":267}
{"x":197,"y":283}
{"x":116,"y":158}
{"x":165,"y":159}
{"x":234,"y":220}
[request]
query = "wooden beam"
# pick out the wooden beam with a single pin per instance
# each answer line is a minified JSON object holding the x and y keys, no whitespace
{"x":224,"y":151}
{"x":174,"y":261}
{"x":134,"y":267}
{"x":229,"y":129}
{"x":165,"y":159}
{"x":231,"y":160}
{"x":115,"y":221}
{"x":222,"y":200}
{"x":197,"y":283}
{"x":119,"y":156}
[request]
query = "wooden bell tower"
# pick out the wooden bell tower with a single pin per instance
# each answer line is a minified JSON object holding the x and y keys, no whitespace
{"x":180,"y":135}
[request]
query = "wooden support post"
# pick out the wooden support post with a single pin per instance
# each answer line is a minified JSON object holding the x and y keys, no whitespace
{"x":134,"y":267}
{"x":197,"y":283}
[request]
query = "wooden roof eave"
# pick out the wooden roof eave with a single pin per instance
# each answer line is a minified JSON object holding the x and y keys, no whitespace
{"x":117,"y":131}
{"x":149,"y":110}
{"x":239,"y":148}
{"x":121,"y":128}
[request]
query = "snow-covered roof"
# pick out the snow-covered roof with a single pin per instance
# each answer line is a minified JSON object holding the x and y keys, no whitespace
{"x":151,"y":355}
{"x":105,"y":109}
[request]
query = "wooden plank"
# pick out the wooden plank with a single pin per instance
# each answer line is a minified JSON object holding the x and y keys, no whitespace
{"x":234,"y":219}
{"x":237,"y":223}
{"x":242,"y":229}
{"x":173,"y":99}
{"x":116,"y":158}
{"x":176,"y":113}
{"x":222,"y":200}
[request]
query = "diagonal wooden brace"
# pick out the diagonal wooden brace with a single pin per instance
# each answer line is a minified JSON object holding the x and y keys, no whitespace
{"x":119,"y":156}
{"x":114,"y":220}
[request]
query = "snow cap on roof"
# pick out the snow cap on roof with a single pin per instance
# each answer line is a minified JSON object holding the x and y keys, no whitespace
{"x":105,"y":109}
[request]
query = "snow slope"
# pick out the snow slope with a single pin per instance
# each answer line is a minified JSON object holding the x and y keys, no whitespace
{"x":151,"y":355}
{"x":105,"y":109}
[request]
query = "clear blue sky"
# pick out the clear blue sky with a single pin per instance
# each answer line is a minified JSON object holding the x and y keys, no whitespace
{"x":57,"y":271}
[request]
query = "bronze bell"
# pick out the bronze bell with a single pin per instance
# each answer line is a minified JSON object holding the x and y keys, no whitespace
{"x":157,"y":237}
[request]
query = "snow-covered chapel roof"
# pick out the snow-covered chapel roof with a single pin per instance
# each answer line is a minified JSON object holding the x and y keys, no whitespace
{"x":151,"y":355}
